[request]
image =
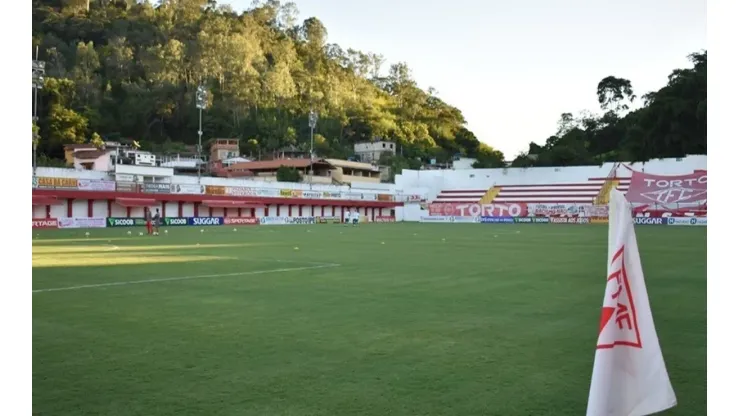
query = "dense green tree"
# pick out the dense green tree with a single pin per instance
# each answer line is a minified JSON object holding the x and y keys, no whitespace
{"x":125,"y":68}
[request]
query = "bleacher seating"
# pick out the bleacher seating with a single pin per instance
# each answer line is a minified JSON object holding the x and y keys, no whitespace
{"x":546,"y":185}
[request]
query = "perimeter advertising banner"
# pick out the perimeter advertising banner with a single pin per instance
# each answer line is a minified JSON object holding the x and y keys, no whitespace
{"x":497,"y":220}
{"x":44,"y":223}
{"x":385,"y":218}
{"x":82,"y":222}
{"x":95,"y":185}
{"x":241,"y":221}
{"x":155,"y":188}
{"x":125,"y":222}
{"x":696,"y":222}
{"x":187,"y":188}
{"x":63,"y":183}
{"x":287,"y":220}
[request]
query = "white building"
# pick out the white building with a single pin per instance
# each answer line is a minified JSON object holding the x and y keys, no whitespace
{"x":372,"y":151}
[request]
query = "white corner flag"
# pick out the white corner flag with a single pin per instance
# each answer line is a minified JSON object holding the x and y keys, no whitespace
{"x":629,"y":376}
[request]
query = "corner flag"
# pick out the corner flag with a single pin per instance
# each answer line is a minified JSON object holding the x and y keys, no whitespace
{"x":629,"y":376}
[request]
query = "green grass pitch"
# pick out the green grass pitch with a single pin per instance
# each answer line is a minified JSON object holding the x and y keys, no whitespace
{"x":382,"y":319}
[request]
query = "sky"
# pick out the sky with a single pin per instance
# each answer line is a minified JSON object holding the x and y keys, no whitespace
{"x":513,"y":67}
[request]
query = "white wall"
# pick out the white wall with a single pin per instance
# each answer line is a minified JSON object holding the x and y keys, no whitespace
{"x":482,"y":179}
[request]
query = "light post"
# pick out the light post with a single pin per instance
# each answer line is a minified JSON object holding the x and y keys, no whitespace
{"x":312,"y":119}
{"x":37,"y":72}
{"x":201,"y":99}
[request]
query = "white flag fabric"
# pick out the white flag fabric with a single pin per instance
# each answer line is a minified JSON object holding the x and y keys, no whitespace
{"x":629,"y":376}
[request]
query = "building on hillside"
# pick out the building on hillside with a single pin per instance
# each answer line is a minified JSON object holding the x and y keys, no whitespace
{"x":346,"y":172}
{"x":292,"y":152}
{"x":325,"y":171}
{"x":222,"y":149}
{"x":372,"y":151}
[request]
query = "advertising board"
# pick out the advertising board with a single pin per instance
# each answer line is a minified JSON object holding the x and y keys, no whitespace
{"x":187,"y":188}
{"x":385,"y":218}
{"x":125,"y":222}
{"x":174,"y":221}
{"x":696,"y":221}
{"x":287,"y":220}
{"x":572,"y":220}
{"x":497,"y":220}
{"x":95,"y":185}
{"x":200,"y":221}
{"x":82,"y":222}
{"x":155,"y":188}
{"x":241,"y":221}
{"x":44,"y":223}
{"x":650,"y":221}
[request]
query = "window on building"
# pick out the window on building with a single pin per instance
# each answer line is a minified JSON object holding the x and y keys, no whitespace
{"x":383,"y":145}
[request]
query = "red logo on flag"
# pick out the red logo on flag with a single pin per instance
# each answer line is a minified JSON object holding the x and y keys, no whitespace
{"x":618,"y":315}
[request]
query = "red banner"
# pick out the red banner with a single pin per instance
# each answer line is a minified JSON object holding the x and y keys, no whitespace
{"x":565,"y":220}
{"x":650,"y":189}
{"x":241,"y":221}
{"x":45,"y":223}
{"x":385,"y":218}
{"x":475,"y":210}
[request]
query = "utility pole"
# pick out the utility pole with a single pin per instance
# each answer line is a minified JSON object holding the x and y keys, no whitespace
{"x":37,"y":72}
{"x":201,"y":100}
{"x":312,"y":119}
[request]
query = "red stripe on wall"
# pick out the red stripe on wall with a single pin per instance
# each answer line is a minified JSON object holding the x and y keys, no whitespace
{"x":70,"y":202}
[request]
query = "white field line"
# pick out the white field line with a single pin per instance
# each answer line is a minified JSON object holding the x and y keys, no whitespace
{"x":202,"y":276}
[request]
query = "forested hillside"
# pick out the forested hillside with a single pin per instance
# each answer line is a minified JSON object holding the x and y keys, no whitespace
{"x":130,"y":69}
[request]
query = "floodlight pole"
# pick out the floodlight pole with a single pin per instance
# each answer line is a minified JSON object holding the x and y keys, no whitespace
{"x":312,"y":119}
{"x":200,"y":103}
{"x":37,"y":74}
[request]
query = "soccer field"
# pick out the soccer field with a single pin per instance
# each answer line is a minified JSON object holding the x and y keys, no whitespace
{"x":382,"y":319}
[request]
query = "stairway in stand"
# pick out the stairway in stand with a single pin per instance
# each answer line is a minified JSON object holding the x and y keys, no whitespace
{"x":610,"y":183}
{"x":490,"y":195}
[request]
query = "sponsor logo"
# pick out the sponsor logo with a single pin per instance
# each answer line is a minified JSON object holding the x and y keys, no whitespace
{"x":80,"y":222}
{"x":649,"y":221}
{"x":187,"y":189}
{"x":385,"y":218}
{"x":328,"y":220}
{"x":541,"y":220}
{"x":35,"y":182}
{"x":599,"y":220}
{"x":286,"y":193}
{"x":436,"y":219}
{"x":175,"y":221}
{"x":302,"y":220}
{"x":206,"y":221}
{"x":312,"y":194}
{"x":241,"y":221}
{"x":646,"y":188}
{"x":525,"y":220}
{"x":466,"y":220}
{"x":155,"y":188}
{"x":572,"y":220}
{"x":127,"y":187}
{"x":691,"y":221}
{"x":91,"y":185}
{"x":240,"y":191}
{"x":497,"y":220}
{"x":331,"y":195}
{"x":45,"y":223}
{"x":121,"y":222}
{"x":215,"y":190}
{"x":49,"y":182}
{"x":478,"y":210}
